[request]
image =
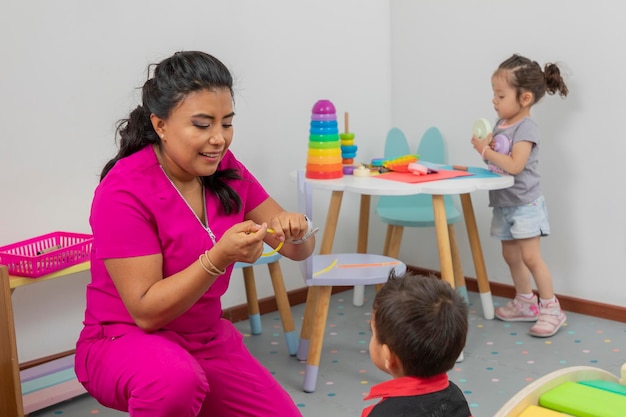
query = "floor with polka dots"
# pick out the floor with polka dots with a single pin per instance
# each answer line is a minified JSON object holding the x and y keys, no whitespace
{"x":500,"y":359}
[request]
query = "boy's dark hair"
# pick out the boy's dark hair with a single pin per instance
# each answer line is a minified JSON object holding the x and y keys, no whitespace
{"x":424,"y":322}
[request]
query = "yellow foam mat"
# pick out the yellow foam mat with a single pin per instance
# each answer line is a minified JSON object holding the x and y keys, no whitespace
{"x":535,"y":411}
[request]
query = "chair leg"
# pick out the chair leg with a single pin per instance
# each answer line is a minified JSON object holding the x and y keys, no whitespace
{"x":387,"y":240}
{"x":477,"y":255}
{"x":457,"y":266}
{"x":317,"y":338}
{"x":284,"y":308}
{"x":393,"y":238}
{"x":254,"y":315}
{"x":307,"y":323}
{"x":393,"y":250}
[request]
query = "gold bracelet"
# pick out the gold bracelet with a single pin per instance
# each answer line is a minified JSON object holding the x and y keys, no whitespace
{"x":213,"y":267}
{"x":208,"y":271}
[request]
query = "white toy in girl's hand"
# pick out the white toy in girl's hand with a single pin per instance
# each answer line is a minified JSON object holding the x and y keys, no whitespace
{"x":481,"y":128}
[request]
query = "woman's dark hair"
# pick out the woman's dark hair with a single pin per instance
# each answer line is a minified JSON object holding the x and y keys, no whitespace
{"x":174,"y":79}
{"x":424,"y":322}
{"x":526,"y":75}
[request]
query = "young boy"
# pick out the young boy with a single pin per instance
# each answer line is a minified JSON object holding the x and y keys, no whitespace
{"x":419,"y":326}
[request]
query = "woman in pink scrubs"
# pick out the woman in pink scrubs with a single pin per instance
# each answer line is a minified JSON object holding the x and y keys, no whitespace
{"x":173,"y":212}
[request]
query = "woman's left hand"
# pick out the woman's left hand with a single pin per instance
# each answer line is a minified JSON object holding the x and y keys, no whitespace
{"x":289,"y":226}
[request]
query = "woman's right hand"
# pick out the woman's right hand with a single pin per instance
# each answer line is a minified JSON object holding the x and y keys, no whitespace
{"x":243,"y":242}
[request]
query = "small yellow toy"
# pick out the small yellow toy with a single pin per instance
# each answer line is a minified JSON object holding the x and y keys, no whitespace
{"x":401,"y":163}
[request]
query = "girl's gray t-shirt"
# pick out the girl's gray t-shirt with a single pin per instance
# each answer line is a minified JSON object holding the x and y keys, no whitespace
{"x":527,"y":186}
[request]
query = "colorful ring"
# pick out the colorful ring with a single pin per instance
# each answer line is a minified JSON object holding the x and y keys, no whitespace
{"x":324,"y":145}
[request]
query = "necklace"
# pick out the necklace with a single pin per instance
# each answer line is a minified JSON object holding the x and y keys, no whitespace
{"x":205,"y":226}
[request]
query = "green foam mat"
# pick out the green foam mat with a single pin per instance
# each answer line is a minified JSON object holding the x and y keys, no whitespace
{"x":606,"y":385}
{"x":584,"y":401}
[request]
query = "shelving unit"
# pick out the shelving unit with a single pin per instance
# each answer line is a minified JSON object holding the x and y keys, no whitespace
{"x":48,"y":383}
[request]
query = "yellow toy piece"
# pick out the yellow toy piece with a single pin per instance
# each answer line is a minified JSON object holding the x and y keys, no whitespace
{"x":401,"y":163}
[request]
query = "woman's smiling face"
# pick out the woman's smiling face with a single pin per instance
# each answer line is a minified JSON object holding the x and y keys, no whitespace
{"x":196,"y":134}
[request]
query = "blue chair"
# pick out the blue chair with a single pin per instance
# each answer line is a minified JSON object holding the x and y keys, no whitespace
{"x":399,"y":212}
{"x":282,"y":300}
{"x":323,"y":271}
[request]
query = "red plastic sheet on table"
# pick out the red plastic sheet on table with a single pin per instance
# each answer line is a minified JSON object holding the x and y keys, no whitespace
{"x":412,"y":178}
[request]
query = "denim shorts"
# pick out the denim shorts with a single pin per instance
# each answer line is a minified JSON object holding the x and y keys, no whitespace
{"x":520,"y":222}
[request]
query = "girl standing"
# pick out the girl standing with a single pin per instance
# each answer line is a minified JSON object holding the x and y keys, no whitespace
{"x":520,"y":216}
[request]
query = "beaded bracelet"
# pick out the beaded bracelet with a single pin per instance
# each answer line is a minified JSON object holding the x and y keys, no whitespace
{"x":482,"y":154}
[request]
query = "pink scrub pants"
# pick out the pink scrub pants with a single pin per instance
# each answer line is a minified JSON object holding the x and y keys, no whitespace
{"x":177,"y":375}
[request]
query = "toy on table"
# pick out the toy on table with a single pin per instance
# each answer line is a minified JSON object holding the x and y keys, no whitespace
{"x":401,"y":163}
{"x":324,"y":152}
{"x":499,"y":143}
{"x":348,"y":148}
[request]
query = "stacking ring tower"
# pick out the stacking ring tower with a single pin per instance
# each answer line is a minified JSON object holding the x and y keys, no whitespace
{"x":324,"y":159}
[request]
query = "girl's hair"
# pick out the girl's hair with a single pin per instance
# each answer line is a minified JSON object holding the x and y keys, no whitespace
{"x":424,"y":322}
{"x":174,"y":79}
{"x":526,"y":75}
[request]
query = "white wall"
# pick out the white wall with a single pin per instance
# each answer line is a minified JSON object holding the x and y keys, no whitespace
{"x":70,"y":70}
{"x":443,"y":55}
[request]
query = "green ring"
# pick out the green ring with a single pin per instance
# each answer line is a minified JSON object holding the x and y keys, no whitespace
{"x":324,"y":145}
{"x":346,"y":136}
{"x":324,"y":138}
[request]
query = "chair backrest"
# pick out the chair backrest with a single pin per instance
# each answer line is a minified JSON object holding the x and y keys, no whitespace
{"x":396,"y":144}
{"x":431,"y":147}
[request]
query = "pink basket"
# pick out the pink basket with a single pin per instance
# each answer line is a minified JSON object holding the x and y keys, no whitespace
{"x":46,"y":254}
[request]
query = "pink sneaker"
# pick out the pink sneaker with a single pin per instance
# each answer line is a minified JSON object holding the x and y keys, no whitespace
{"x":550,"y":320}
{"x":519,"y":309}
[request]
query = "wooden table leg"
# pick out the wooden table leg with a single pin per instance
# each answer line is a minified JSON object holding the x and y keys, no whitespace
{"x":477,"y":255}
{"x":358,"y":295}
{"x":457,"y":266}
{"x":10,"y":387}
{"x":443,"y":239}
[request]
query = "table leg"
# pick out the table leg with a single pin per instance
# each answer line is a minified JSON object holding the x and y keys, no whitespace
{"x":361,"y":243}
{"x":443,"y":239}
{"x":477,"y":255}
{"x":457,"y":266}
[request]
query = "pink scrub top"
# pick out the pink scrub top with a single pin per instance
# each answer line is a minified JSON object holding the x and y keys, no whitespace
{"x":137,"y":211}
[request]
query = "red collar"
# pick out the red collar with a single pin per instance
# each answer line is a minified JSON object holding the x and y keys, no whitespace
{"x":406,"y":386}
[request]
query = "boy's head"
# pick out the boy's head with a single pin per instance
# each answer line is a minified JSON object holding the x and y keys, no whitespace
{"x":419,"y":326}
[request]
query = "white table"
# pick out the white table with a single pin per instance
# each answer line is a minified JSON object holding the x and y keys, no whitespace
{"x":462,"y":186}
